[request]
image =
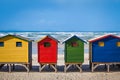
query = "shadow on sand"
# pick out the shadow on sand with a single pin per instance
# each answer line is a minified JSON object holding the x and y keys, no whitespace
{"x":85,"y":68}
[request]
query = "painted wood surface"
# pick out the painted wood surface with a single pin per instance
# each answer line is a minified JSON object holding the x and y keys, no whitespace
{"x":110,"y":52}
{"x":47,"y":54}
{"x":74,"y":54}
{"x":10,"y":53}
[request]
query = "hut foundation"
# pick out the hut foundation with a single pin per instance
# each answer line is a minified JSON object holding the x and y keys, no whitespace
{"x":107,"y":65}
{"x":42,"y":66}
{"x":11,"y":66}
{"x":68,"y":65}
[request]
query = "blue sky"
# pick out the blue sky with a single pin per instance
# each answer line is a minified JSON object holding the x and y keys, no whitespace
{"x":59,"y":15}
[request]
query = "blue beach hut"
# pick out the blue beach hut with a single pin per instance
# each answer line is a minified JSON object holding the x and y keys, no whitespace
{"x":104,"y":50}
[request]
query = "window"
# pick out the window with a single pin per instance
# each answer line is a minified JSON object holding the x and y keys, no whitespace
{"x":18,"y":44}
{"x":47,"y":44}
{"x":1,"y":44}
{"x":74,"y":44}
{"x":118,"y":44}
{"x":101,"y":44}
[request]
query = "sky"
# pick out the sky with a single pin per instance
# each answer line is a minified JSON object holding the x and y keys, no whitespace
{"x":59,"y":15}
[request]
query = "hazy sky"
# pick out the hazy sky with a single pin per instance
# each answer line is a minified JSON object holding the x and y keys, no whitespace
{"x":59,"y":15}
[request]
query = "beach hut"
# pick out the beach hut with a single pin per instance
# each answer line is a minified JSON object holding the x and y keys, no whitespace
{"x":74,"y":52}
{"x":15,"y":49}
{"x":47,"y":52}
{"x":104,"y":50}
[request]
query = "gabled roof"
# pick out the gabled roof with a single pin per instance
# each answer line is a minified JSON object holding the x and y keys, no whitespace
{"x":102,"y":37}
{"x":17,"y":36}
{"x":74,"y":37}
{"x":48,"y":36}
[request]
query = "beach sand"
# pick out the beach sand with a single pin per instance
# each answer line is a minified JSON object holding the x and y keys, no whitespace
{"x":72,"y":74}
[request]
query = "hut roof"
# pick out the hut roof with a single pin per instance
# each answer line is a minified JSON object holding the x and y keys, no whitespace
{"x":48,"y":36}
{"x":102,"y":37}
{"x":17,"y":36}
{"x":74,"y":37}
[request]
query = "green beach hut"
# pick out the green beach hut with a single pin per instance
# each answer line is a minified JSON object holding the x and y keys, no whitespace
{"x":74,"y":52}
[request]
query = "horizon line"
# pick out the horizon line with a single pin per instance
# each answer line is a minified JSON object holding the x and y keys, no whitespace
{"x":54,"y":31}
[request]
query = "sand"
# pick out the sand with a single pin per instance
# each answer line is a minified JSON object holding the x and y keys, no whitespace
{"x":48,"y":74}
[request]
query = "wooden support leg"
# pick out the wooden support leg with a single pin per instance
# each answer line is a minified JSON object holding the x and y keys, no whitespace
{"x":95,"y":66}
{"x":65,"y":68}
{"x":9,"y":65}
{"x":68,"y":67}
{"x":26,"y":67}
{"x":13,"y":66}
{"x":41,"y":67}
{"x":1,"y":65}
{"x":92,"y":67}
{"x":53,"y":66}
{"x":30,"y":65}
{"x":105,"y":66}
{"x":108,"y":67}
{"x":79,"y":67}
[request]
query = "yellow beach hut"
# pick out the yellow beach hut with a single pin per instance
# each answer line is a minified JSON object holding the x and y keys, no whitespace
{"x":15,"y":49}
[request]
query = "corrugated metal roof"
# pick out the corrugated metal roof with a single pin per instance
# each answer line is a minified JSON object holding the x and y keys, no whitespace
{"x":102,"y":37}
{"x":17,"y":36}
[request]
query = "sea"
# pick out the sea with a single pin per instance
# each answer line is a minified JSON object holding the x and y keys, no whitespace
{"x":60,"y":36}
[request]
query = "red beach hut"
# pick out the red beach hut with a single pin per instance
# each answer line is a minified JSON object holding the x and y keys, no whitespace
{"x":47,"y":52}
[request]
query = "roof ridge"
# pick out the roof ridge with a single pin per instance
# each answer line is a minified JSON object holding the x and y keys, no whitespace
{"x":103,"y":36}
{"x":46,"y":37}
{"x":72,"y":37}
{"x":17,"y":36}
